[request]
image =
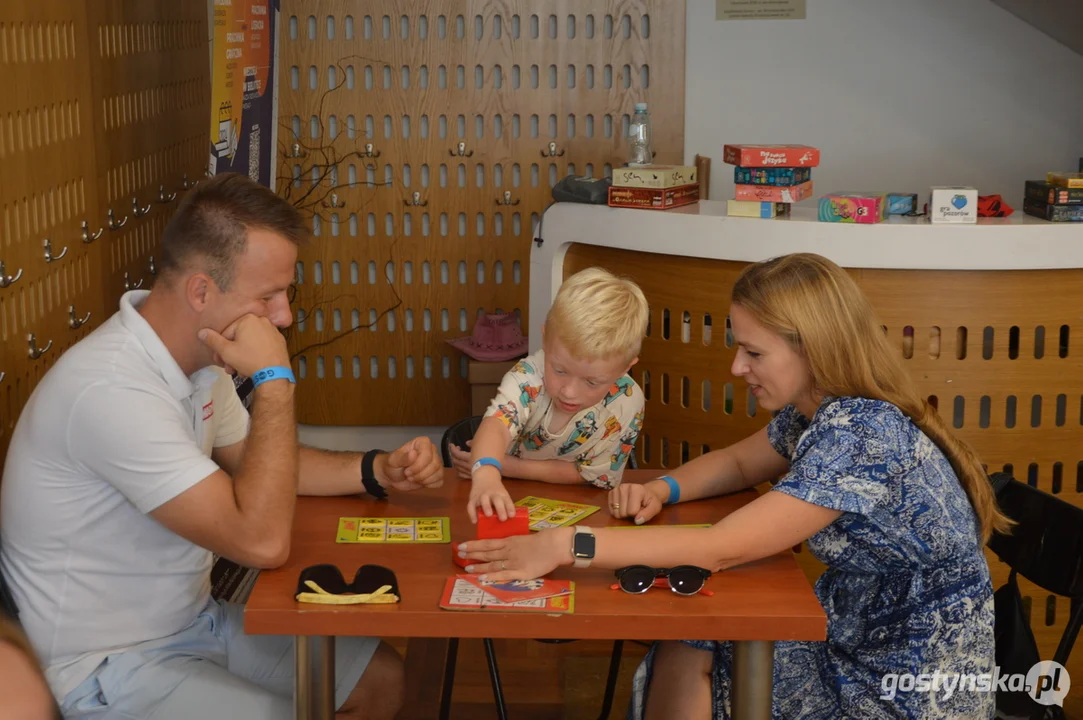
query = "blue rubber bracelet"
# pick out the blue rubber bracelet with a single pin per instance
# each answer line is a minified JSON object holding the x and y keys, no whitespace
{"x":272,"y":373}
{"x":674,"y":489}
{"x":486,"y":461}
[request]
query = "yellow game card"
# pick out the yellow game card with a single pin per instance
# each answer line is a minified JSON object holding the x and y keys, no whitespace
{"x":398,"y":531}
{"x":546,"y":513}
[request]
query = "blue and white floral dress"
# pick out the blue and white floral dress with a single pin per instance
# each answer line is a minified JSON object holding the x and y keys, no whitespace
{"x":906,"y":589}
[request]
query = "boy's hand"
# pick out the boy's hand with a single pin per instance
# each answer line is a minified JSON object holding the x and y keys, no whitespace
{"x":634,"y":500}
{"x":460,"y":459}
{"x":488,"y":493}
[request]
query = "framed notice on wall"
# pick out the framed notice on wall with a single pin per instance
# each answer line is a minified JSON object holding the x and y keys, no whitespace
{"x":242,"y":92}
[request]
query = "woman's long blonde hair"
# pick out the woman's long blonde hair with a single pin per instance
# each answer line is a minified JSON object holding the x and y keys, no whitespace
{"x":822,"y":313}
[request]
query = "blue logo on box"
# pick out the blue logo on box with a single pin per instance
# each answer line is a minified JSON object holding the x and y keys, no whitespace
{"x":959,"y":201}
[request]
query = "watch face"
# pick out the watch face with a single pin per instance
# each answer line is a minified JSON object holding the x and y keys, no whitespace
{"x":583,"y":546}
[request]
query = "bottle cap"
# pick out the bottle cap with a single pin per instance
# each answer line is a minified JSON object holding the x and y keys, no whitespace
{"x":641,"y":107}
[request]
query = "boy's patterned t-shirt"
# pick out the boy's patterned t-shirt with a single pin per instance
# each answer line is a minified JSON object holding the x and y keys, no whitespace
{"x":597,"y":439}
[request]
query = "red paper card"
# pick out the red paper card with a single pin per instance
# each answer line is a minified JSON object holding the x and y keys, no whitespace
{"x":462,"y":595}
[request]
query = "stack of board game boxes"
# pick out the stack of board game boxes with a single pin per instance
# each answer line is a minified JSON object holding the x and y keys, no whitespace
{"x":769,"y":178}
{"x":1058,"y":199}
{"x":654,"y":187}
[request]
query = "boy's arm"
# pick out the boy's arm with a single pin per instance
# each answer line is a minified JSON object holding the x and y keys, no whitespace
{"x":559,"y":472}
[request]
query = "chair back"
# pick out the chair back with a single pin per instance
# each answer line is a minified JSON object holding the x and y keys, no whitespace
{"x":458,"y":434}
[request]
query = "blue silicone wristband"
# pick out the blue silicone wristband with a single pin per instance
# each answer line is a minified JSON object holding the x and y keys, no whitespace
{"x":272,"y":373}
{"x":487,"y":461}
{"x":674,"y":490}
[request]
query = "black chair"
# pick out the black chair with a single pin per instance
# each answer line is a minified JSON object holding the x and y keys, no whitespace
{"x":1045,"y":547}
{"x":458,"y":434}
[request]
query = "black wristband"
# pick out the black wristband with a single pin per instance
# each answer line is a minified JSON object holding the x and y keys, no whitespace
{"x":368,"y":475}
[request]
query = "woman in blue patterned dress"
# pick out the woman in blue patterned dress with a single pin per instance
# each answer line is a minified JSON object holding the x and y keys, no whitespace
{"x":895,"y":507}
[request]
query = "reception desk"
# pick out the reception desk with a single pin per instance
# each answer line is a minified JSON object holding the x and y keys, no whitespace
{"x":988,"y":317}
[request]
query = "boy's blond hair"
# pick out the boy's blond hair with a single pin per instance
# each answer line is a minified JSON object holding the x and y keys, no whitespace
{"x":597,"y":315}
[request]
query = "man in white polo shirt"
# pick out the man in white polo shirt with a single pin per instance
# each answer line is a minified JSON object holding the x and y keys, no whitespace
{"x":134,"y":460}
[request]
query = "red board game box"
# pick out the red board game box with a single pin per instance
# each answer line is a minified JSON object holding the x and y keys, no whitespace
{"x":771,"y":155}
{"x":772,"y":193}
{"x":653,"y":199}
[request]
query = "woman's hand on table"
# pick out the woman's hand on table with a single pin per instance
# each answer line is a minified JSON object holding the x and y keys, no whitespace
{"x":519,"y":557}
{"x":635,"y":500}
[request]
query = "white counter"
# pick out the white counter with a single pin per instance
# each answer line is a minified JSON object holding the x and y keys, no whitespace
{"x":1019,"y":242}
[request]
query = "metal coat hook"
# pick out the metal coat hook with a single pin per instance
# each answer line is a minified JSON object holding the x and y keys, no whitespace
{"x":334,"y":202}
{"x":2,"y":374}
{"x":153,"y":269}
{"x":163,"y":198}
{"x":506,"y":199}
{"x":552,"y":151}
{"x":7,"y":280}
{"x":460,"y":151}
{"x":138,"y":211}
{"x":129,"y":285}
{"x":49,"y":257}
{"x":76,"y":322}
{"x":35,"y":352}
{"x":186,"y":184}
{"x":113,"y":224}
{"x":415,"y":200}
{"x":87,"y":237}
{"x":370,"y":151}
{"x":295,"y":151}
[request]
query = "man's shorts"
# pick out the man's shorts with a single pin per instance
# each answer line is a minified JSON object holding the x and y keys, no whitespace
{"x":209,"y":670}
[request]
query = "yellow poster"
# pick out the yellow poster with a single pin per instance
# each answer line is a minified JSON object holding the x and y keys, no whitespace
{"x":242,"y":72}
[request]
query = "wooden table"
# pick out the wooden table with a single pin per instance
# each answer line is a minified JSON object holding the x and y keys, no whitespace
{"x":753,"y":605}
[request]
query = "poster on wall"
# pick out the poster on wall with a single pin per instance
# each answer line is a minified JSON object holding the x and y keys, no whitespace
{"x":242,"y":92}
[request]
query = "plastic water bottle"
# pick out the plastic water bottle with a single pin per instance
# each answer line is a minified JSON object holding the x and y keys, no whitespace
{"x":639,"y":137}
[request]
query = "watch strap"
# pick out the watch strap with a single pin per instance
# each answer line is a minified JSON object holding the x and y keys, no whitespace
{"x":368,"y":475}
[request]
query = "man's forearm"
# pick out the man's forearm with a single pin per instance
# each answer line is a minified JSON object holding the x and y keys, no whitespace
{"x":558,"y":472}
{"x":266,"y":486}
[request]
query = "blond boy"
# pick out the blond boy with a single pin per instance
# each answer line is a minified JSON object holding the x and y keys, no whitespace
{"x":569,"y":413}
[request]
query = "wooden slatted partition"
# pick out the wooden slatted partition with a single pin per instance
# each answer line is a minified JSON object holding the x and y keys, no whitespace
{"x":47,"y":191}
{"x":151,"y":110}
{"x":999,"y":352}
{"x":102,"y":102}
{"x":423,"y":139}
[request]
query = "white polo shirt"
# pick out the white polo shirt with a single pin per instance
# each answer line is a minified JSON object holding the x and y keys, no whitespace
{"x":113,"y":430}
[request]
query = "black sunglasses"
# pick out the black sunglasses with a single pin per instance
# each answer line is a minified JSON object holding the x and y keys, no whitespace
{"x":683,"y":579}
{"x":328,"y":578}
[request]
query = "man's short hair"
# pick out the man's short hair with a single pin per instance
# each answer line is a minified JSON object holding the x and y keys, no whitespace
{"x":597,"y":315}
{"x":210,"y":227}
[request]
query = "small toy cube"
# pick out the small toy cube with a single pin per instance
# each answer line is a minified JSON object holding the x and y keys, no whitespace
{"x":492,"y":527}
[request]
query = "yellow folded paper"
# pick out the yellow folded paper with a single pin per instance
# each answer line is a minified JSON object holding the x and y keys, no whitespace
{"x":322,"y":597}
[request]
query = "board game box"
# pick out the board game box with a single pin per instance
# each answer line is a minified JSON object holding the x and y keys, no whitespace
{"x":771,"y":193}
{"x":653,"y":199}
{"x":771,"y":155}
{"x":393,"y":530}
{"x":781,"y":176}
{"x":655,"y":176}
{"x":1053,"y":213}
{"x":1051,"y":194}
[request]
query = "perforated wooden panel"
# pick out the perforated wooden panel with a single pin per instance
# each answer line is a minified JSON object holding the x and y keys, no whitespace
{"x":999,"y":353}
{"x":151,"y":110}
{"x":101,"y":102}
{"x":424,"y":138}
{"x":47,"y":191}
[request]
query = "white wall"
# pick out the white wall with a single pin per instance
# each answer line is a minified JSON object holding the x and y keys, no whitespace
{"x":898,"y":94}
